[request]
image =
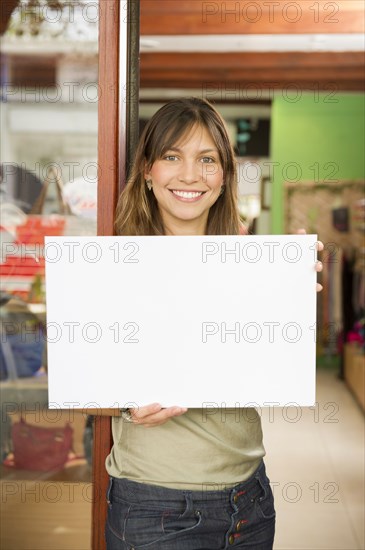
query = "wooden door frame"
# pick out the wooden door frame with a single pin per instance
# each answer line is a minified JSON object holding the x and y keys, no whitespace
{"x":117,"y":137}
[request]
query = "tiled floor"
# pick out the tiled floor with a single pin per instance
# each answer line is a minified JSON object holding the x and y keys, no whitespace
{"x":315,"y":461}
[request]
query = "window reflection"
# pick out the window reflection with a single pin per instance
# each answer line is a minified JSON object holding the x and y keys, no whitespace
{"x":48,"y":182}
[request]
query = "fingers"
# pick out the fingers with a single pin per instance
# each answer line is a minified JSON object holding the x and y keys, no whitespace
{"x":143,"y":412}
{"x":319,"y":267}
{"x":163,"y":416}
{"x":320,"y":245}
{"x":155,"y":415}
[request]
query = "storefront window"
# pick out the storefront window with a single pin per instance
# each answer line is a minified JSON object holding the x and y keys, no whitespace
{"x":49,"y":84}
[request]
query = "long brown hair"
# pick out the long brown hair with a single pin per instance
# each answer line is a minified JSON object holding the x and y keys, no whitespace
{"x":137,"y":210}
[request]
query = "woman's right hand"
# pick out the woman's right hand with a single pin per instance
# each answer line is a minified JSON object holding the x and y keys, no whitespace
{"x":154,"y":415}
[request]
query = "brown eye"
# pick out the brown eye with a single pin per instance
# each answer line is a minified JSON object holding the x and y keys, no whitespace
{"x":208,"y":160}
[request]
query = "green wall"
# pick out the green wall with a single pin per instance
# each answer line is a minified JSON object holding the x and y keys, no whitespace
{"x":315,"y":137}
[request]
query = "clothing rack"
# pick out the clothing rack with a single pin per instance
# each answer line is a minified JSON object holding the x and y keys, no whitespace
{"x":335,"y":211}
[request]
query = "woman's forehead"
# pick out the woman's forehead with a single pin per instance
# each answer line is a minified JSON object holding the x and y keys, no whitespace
{"x":196,"y":131}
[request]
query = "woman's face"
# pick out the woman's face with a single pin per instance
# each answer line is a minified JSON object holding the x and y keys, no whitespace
{"x":186,"y":182}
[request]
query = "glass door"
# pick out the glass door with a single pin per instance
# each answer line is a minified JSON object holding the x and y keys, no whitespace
{"x":49,"y":178}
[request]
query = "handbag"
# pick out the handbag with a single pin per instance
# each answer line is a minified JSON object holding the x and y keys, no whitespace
{"x":38,"y":448}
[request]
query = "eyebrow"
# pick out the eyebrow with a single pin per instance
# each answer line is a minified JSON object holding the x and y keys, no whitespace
{"x":201,"y":152}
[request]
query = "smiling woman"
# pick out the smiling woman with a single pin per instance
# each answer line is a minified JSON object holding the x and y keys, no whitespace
{"x":183,"y":179}
{"x":164,"y":480}
{"x":193,"y":480}
{"x":186,"y":182}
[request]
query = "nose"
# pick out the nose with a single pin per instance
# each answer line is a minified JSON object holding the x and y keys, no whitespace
{"x":190,"y":172}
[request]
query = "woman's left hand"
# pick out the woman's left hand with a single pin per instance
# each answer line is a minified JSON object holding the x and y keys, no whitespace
{"x":319,"y":265}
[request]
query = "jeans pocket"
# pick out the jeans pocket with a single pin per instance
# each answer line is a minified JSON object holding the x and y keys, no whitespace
{"x":179,"y":523}
{"x":108,"y":493}
{"x":264,"y":503}
{"x":116,"y":521}
{"x":147,"y":526}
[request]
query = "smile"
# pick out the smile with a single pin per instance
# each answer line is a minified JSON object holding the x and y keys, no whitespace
{"x":187,"y":195}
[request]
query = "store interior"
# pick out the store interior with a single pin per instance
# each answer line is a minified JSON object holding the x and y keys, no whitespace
{"x":289,"y":84}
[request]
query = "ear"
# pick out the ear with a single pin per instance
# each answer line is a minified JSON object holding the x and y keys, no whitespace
{"x":146,"y":171}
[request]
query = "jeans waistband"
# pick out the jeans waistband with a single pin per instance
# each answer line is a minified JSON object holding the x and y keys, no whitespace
{"x":135,"y":492}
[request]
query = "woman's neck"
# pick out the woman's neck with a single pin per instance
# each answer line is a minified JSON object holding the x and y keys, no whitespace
{"x":186,"y":229}
{"x":178,"y":227}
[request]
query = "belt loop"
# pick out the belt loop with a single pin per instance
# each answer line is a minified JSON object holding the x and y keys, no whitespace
{"x":189,"y":503}
{"x":260,"y":471}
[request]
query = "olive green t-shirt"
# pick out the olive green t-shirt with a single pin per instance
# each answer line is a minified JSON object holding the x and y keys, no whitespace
{"x":203,"y":448}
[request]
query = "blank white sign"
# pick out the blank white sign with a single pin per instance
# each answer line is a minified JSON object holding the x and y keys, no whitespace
{"x":208,"y":321}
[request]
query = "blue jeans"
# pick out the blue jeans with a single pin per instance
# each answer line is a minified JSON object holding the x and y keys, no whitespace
{"x":142,"y":516}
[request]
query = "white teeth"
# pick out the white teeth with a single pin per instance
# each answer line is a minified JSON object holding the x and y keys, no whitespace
{"x":187,"y":194}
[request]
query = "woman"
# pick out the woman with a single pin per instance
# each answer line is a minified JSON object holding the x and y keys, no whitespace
{"x":193,"y":481}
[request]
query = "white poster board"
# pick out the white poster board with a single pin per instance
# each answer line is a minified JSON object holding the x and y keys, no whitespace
{"x":189,"y":321}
